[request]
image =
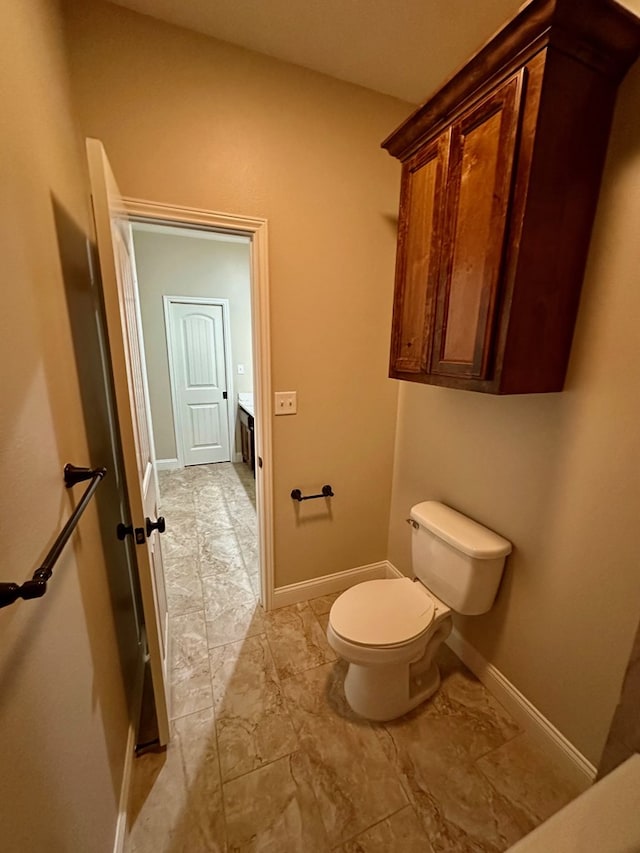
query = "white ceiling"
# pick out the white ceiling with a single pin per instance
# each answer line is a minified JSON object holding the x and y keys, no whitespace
{"x":404,"y":48}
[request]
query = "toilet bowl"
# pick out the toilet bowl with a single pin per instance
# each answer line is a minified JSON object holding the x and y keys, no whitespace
{"x":390,"y":630}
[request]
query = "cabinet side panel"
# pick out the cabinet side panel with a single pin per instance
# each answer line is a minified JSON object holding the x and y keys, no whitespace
{"x":567,"y":162}
{"x":418,"y":251}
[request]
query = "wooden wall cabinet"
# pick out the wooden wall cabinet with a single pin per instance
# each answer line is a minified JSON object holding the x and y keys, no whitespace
{"x":500,"y":179}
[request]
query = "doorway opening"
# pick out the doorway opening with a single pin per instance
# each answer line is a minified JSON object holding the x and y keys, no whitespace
{"x":204,"y":312}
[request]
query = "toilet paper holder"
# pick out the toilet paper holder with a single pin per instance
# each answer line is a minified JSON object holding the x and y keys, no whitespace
{"x":327,"y":492}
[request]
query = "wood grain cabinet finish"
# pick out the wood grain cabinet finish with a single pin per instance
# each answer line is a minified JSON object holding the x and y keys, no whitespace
{"x":501,"y":172}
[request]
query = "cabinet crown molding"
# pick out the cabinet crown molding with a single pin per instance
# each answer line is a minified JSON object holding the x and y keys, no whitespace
{"x":598,"y":33}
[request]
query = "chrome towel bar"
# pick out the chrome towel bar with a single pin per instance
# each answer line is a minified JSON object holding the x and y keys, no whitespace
{"x":37,"y":586}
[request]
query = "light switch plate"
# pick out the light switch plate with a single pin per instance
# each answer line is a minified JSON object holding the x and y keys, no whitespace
{"x":286,"y":402}
{"x":241,"y":369}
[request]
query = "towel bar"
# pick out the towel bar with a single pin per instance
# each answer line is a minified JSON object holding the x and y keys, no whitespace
{"x":37,"y":586}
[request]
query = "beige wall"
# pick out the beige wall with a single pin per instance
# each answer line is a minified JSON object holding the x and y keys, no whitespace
{"x":63,"y":714}
{"x":559,"y":476}
{"x":191,"y":121}
{"x":183,"y":265}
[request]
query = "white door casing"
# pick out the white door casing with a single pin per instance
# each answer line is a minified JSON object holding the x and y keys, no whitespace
{"x":257,"y":230}
{"x":124,"y":331}
{"x":199,"y":350}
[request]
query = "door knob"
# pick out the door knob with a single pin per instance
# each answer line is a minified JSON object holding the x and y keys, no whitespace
{"x":158,"y":525}
{"x":123,"y":530}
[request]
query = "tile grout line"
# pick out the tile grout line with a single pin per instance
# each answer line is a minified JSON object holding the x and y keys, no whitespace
{"x":199,"y":542}
{"x":281,"y":688}
{"x":234,"y":642}
{"x":177,"y":614}
{"x":203,"y":609}
{"x":371,"y":826}
{"x":238,"y":547}
{"x":408,"y":801}
{"x":213,"y":698}
{"x":199,"y":574}
{"x":297,"y":733}
{"x":294,"y":727}
{"x":519,"y":733}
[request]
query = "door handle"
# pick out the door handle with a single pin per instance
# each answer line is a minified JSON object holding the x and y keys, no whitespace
{"x":159,"y":525}
{"x":124,"y":530}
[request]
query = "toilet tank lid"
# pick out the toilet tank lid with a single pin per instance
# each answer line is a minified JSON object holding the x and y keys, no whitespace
{"x":461,"y":532}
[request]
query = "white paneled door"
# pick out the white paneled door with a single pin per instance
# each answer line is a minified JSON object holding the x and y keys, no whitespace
{"x":197,"y":343}
{"x":124,"y":329}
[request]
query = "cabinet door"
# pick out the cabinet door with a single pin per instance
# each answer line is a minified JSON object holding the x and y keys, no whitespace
{"x":418,"y":257}
{"x":483,"y":144}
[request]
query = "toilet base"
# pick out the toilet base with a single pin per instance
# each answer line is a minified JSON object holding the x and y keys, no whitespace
{"x":384,"y":693}
{"x":383,"y":684}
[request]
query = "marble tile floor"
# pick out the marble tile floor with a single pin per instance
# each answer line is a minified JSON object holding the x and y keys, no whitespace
{"x":267,"y":756}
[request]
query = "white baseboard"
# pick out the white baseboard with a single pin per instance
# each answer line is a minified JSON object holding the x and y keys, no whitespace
{"x":173,"y":464}
{"x":546,"y":736}
{"x":325,"y":585}
{"x":392,"y":572}
{"x":167,"y":464}
{"x":121,"y":825}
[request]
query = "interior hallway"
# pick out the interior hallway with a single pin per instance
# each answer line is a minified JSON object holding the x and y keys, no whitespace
{"x":267,"y":755}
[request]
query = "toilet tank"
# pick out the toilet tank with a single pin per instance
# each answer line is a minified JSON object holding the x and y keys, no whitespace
{"x":459,"y":560}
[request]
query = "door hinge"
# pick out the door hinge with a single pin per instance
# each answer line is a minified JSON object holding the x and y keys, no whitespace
{"x":224,"y":395}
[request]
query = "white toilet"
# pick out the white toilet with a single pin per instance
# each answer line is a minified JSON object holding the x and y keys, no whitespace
{"x":390,"y":630}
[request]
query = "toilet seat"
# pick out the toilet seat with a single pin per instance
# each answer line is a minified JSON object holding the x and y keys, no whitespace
{"x":378,"y":613}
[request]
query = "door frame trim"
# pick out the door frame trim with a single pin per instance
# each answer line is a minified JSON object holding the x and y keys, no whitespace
{"x":257,"y":230}
{"x":167,"y":301}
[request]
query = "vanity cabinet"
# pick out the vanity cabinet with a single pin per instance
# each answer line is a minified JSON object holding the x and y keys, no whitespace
{"x":247,"y":432}
{"x":500,"y":179}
